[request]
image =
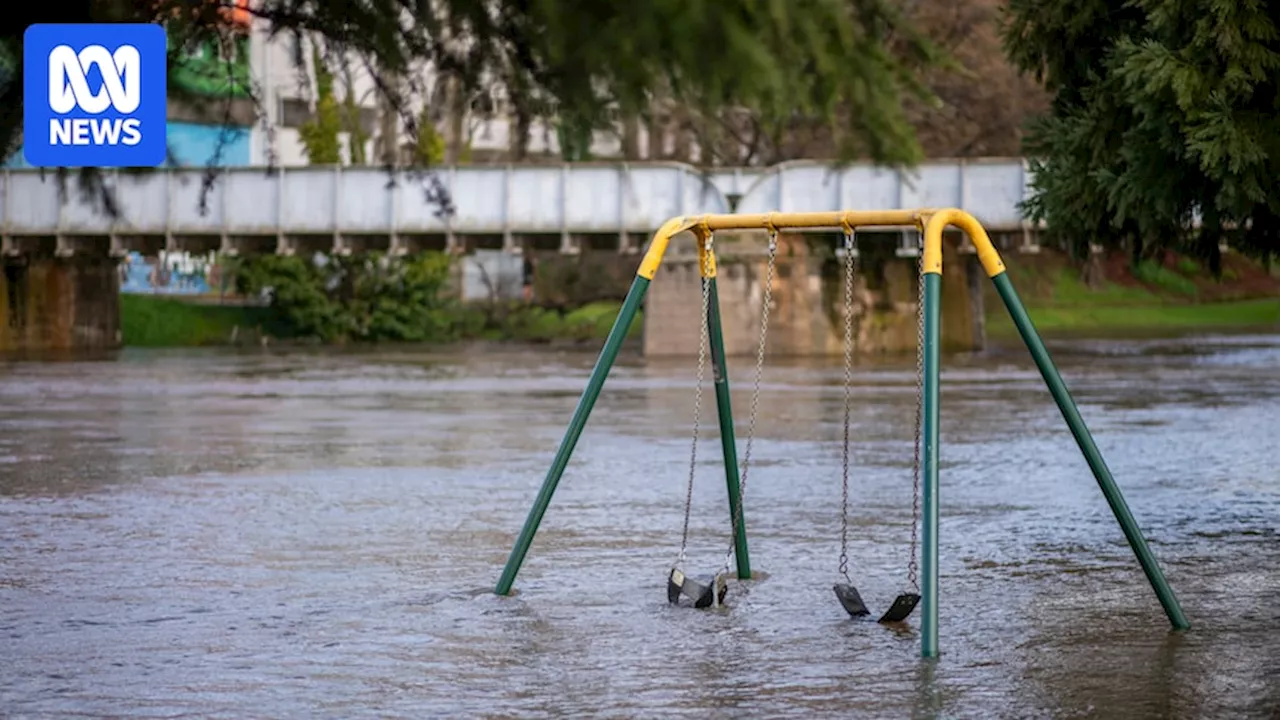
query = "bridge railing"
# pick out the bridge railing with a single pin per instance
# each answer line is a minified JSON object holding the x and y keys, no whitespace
{"x":565,"y":199}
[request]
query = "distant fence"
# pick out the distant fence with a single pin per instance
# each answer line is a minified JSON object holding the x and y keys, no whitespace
{"x":568,"y":199}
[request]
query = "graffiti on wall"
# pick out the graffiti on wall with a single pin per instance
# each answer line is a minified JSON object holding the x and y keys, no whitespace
{"x":171,"y":273}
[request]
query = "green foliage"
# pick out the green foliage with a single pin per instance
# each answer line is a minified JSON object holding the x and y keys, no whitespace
{"x":150,"y":321}
{"x":1153,"y":273}
{"x":430,"y":146}
{"x":1163,"y":111}
{"x":366,"y":297}
{"x":530,"y":323}
{"x":200,"y":68}
{"x":1068,"y":290}
{"x":574,"y":135}
{"x":373,"y":298}
{"x":356,"y":136}
{"x":839,"y":68}
{"x":1187,"y":266}
{"x":595,"y":320}
{"x":319,"y":135}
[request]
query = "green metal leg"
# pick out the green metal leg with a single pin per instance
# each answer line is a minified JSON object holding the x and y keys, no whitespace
{"x":727,"y":441}
{"x":929,"y":541}
{"x":1091,"y":454}
{"x":607,"y":355}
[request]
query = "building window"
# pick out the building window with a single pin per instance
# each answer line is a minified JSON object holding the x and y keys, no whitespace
{"x":294,"y":112}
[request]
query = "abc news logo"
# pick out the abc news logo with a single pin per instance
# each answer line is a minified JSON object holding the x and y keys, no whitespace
{"x":94,"y":95}
{"x":121,"y":90}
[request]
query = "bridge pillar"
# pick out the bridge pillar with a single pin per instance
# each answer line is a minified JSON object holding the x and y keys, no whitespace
{"x":806,"y":317}
{"x":59,"y":303}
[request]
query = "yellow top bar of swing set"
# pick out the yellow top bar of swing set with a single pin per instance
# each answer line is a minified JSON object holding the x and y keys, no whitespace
{"x":931,"y":222}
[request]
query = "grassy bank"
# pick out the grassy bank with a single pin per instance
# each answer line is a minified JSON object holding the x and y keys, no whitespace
{"x":1167,"y":296}
{"x":527,"y":323}
{"x":1172,"y":296}
{"x":154,"y":321}
{"x":1142,"y":319}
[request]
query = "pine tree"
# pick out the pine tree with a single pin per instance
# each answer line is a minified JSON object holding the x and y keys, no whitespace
{"x":1163,"y":127}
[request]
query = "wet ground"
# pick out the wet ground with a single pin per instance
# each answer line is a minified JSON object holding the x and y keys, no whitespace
{"x":288,"y":534}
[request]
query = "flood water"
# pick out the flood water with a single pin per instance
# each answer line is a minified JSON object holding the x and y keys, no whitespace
{"x":296,"y":534}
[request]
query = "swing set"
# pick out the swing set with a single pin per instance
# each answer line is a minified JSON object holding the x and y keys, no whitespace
{"x":929,"y":224}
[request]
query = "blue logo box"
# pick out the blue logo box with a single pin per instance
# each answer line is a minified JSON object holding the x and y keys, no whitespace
{"x":94,"y":95}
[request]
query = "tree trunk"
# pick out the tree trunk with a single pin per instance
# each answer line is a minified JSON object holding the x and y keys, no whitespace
{"x":631,"y":138}
{"x":1135,"y":248}
{"x":657,"y":138}
{"x":1092,"y":275}
{"x":455,"y":115}
{"x":521,"y":120}
{"x":521,"y":126}
{"x":389,"y":121}
{"x":683,"y":143}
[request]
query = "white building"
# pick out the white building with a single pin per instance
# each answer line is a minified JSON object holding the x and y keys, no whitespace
{"x":288,"y":96}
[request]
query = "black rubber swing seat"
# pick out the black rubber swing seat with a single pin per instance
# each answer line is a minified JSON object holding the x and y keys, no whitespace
{"x":701,"y":594}
{"x":901,"y":608}
{"x":851,"y":601}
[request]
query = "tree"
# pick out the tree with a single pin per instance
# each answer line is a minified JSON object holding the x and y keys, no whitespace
{"x":1162,"y":129}
{"x":977,"y":104}
{"x":319,"y":135}
{"x":842,"y":64}
{"x":574,"y":136}
{"x":985,"y":102}
{"x":357,"y":135}
{"x":430,"y":146}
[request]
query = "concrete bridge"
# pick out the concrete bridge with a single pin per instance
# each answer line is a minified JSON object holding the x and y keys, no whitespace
{"x":614,"y":206}
{"x":61,"y":249}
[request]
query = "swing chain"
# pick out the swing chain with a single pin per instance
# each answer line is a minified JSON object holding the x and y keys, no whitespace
{"x":912,"y":566}
{"x":849,"y":251}
{"x":705,"y":268}
{"x":755,"y":396}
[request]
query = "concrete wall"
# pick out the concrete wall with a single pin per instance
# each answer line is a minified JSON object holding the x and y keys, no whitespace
{"x":807,"y":300}
{"x":49,"y":304}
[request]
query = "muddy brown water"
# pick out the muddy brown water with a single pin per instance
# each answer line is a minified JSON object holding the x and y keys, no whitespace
{"x":296,"y":534}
